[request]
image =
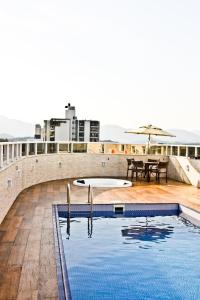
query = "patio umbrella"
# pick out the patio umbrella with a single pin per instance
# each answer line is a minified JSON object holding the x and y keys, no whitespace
{"x":145,"y":232}
{"x":150,"y":130}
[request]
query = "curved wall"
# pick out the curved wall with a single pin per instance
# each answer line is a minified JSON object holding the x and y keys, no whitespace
{"x":32,"y":170}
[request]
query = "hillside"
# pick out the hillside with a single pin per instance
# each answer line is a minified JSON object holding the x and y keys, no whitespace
{"x":117,"y":133}
{"x":10,"y":128}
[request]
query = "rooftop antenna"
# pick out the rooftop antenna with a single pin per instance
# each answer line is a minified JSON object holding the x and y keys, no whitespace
{"x":68,"y":105}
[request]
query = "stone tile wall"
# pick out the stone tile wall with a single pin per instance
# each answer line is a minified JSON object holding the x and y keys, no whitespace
{"x":32,"y":170}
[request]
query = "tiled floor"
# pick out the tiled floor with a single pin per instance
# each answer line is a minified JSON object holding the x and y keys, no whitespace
{"x":27,"y":261}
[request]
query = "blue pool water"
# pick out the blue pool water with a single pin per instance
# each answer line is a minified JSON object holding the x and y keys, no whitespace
{"x":132,"y":258}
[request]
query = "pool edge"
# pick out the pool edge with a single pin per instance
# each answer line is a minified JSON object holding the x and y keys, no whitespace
{"x":61,"y":267}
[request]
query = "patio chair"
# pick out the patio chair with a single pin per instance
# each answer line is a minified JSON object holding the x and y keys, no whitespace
{"x":129,"y":165}
{"x":138,"y":169}
{"x":161,"y":168}
{"x":149,"y":165}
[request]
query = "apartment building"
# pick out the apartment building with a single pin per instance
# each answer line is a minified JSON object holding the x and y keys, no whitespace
{"x":88,"y":131}
{"x":68,"y":128}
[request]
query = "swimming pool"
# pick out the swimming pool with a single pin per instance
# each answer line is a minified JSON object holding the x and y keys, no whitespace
{"x":138,"y":255}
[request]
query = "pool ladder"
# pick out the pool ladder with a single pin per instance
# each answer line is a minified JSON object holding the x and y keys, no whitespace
{"x":90,"y":198}
{"x":90,"y":218}
{"x":69,"y":198}
{"x":69,"y":210}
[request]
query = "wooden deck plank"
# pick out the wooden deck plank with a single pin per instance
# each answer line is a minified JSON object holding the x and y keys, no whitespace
{"x":10,"y":283}
{"x":16,"y":257}
{"x":29,"y":276}
{"x":5,"y":250}
{"x":47,"y":282}
{"x":32,"y":252}
{"x":28,"y":295}
{"x":22,"y":236}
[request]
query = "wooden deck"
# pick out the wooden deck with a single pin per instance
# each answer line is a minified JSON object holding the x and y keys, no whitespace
{"x":27,"y":262}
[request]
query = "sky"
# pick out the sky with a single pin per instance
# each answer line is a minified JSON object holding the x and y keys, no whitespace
{"x":123,"y":62}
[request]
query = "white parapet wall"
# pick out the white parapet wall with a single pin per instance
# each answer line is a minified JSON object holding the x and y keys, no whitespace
{"x":183,"y":169}
{"x":30,"y":170}
{"x":196,"y":164}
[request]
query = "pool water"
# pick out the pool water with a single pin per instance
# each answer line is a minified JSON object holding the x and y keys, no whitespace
{"x":132,"y":258}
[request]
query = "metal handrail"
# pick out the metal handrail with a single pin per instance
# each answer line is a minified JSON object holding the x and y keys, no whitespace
{"x":68,"y":198}
{"x":90,"y":197}
{"x":90,"y":226}
{"x":91,"y":200}
{"x":68,"y":226}
{"x":89,"y":189}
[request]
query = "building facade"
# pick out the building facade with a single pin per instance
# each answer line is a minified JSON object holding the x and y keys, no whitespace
{"x":88,"y":131}
{"x":68,"y":128}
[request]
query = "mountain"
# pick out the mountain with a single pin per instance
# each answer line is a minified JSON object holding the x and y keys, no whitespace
{"x":10,"y":128}
{"x":196,"y":131}
{"x":117,"y":133}
{"x":5,"y":136}
{"x":183,"y":136}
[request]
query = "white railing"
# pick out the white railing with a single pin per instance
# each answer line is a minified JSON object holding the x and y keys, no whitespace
{"x":12,"y":151}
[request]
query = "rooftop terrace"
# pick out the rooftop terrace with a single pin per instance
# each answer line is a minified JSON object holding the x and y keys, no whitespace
{"x":33,"y":177}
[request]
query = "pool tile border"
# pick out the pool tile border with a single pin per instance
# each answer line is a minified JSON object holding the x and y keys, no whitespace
{"x":61,"y":267}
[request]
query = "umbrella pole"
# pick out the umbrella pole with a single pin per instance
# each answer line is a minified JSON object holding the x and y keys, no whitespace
{"x":148,"y":149}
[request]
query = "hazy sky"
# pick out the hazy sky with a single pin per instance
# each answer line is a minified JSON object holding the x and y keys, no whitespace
{"x":127,"y":62}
